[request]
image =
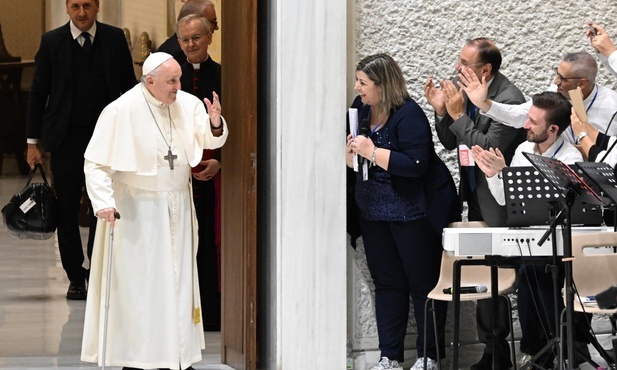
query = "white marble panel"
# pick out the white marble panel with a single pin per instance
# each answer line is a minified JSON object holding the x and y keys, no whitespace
{"x":310,"y":51}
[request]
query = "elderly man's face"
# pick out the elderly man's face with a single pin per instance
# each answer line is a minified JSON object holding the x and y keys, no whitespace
{"x":194,"y":39}
{"x":164,"y":83}
{"x":82,"y":13}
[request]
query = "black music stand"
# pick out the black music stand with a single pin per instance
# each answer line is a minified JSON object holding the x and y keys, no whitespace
{"x":571,"y":186}
{"x":531,"y":200}
{"x":603,"y":175}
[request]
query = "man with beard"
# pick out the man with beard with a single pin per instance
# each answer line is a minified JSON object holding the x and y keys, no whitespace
{"x":548,"y":118}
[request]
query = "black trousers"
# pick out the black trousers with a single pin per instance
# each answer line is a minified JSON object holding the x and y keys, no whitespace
{"x":404,"y":259}
{"x":67,"y":166}
{"x":485,"y":326}
{"x":207,"y":255}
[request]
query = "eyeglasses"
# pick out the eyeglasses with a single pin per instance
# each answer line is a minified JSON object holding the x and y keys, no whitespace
{"x":559,"y":78}
{"x":464,"y":64}
{"x":214,"y":23}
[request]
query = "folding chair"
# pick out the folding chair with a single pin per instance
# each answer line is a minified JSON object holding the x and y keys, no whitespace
{"x":470,"y":276}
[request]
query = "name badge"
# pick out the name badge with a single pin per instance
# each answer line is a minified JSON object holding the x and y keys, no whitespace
{"x":465,"y":155}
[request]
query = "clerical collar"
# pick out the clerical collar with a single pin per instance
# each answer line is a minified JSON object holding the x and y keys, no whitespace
{"x":150,"y":98}
{"x":198,"y":65}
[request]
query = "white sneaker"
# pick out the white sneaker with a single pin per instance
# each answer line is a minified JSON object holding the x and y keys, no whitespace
{"x":386,"y":363}
{"x":430,"y":364}
{"x":524,"y":360}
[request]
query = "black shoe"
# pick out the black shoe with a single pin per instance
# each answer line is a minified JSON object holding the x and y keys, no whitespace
{"x":77,"y":292}
{"x":486,"y":363}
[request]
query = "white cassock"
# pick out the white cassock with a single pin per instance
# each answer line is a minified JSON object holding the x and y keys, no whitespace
{"x":154,"y":298}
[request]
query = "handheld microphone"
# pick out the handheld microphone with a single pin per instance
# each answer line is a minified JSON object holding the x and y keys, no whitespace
{"x":365,"y":130}
{"x":468,"y":289}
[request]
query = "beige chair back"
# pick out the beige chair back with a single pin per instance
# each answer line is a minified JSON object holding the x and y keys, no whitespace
{"x":594,"y":269}
{"x":471,"y":275}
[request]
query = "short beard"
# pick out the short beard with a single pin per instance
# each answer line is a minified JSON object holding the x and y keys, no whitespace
{"x":537,"y":139}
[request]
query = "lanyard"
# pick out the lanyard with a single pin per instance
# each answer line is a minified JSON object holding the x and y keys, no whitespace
{"x":557,"y":151}
{"x":574,"y":139}
{"x":376,"y":127}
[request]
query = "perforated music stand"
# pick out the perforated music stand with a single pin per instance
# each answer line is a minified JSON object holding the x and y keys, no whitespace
{"x":572,"y":186}
{"x":603,"y":175}
{"x":532,"y":200}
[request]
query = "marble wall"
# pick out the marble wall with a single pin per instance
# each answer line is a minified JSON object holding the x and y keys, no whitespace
{"x":425,"y":37}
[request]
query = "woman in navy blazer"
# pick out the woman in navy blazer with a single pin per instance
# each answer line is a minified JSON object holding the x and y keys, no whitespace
{"x":407,"y":200}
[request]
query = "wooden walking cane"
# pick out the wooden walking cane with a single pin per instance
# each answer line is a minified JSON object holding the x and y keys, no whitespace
{"x":107,"y":290}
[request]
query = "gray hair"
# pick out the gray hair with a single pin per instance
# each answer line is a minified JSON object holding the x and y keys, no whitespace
{"x":583,"y":65}
{"x":184,"y":20}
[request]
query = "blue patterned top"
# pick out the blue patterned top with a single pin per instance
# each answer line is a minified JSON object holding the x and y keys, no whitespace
{"x":375,"y":197}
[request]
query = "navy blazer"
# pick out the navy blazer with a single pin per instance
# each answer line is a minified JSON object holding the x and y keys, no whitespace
{"x":49,"y":105}
{"x":417,"y":173}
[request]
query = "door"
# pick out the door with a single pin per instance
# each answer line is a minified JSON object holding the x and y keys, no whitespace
{"x":239,"y":179}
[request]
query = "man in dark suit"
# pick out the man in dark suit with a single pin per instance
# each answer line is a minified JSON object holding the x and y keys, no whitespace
{"x":80,"y":68}
{"x":204,"y":8}
{"x":460,"y":126}
{"x":201,"y":76}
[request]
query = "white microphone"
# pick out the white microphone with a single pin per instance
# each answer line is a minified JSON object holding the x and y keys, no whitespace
{"x":468,"y":289}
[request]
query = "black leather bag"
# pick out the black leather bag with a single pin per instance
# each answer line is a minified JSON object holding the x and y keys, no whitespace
{"x":31,"y":213}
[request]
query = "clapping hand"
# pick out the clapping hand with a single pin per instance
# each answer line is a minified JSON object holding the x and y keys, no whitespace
{"x":435,"y":97}
{"x":490,"y":161}
{"x":455,"y":104}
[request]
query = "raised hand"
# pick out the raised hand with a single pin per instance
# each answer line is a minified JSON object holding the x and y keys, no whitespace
{"x":600,"y":40}
{"x":476,"y":90}
{"x":214,"y":111}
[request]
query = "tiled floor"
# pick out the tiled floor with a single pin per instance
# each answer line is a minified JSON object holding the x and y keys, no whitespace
{"x":39,"y":328}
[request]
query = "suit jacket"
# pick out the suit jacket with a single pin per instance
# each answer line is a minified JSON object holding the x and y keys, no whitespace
{"x":487,"y":133}
{"x":50,"y":101}
{"x":172,"y":47}
{"x":209,"y":79}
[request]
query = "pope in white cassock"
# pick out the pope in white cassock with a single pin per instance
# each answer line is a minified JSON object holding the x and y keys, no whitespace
{"x":138,"y":162}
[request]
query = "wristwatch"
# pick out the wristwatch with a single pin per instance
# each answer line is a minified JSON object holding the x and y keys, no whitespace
{"x":581,"y":136}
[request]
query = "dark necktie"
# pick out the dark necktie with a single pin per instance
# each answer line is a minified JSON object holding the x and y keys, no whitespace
{"x":87,"y":43}
{"x":471,"y":170}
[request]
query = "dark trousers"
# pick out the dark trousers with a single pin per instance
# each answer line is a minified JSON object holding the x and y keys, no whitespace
{"x":207,"y":254}
{"x":67,"y":166}
{"x":404,"y":259}
{"x":485,"y":327}
{"x":536,"y":306}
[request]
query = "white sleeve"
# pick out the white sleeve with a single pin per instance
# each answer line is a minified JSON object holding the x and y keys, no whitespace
{"x":513,"y":115}
{"x":610,"y":63}
{"x":611,"y":158}
{"x":495,"y":185}
{"x":98,"y":185}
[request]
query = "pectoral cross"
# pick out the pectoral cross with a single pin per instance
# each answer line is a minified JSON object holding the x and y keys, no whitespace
{"x":170,"y":158}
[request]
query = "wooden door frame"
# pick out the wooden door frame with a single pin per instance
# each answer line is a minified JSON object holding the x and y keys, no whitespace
{"x":239,"y":184}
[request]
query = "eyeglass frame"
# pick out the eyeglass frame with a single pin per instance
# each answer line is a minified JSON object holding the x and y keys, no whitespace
{"x":562,"y":79}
